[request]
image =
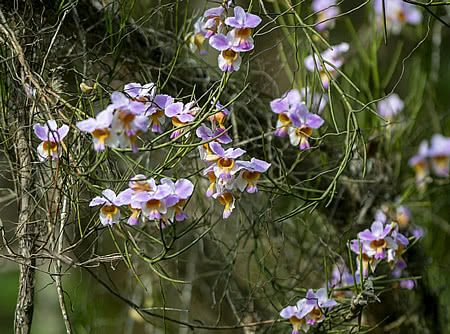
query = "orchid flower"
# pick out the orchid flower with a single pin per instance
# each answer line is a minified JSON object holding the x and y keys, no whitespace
{"x":138,"y":183}
{"x":214,"y":21}
{"x":227,"y":200}
{"x":250,"y":174}
{"x":377,"y":239}
{"x":397,"y":13}
{"x":181,"y":190}
{"x":181,"y":115}
{"x":153,"y":203}
{"x":439,"y":154}
{"x":243,"y":23}
{"x":225,"y":165}
{"x":109,"y":212}
{"x":206,"y":134}
{"x":157,"y":112}
{"x":316,"y":303}
{"x":220,"y":116}
{"x":292,"y":313}
{"x":420,"y":164}
{"x":52,"y":137}
{"x":303,"y":123}
{"x":390,"y":107}
{"x":284,"y":107}
{"x":229,"y":58}
{"x":197,"y":39}
{"x":99,"y":128}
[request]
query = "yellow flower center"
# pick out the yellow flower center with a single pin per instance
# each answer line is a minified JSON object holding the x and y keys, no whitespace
{"x":153,"y":204}
{"x":101,"y":134}
{"x":243,"y":33}
{"x":230,"y":56}
{"x":303,"y":131}
{"x":225,"y":163}
{"x":284,"y":119}
{"x":109,"y":210}
{"x":50,"y":146}
{"x":225,"y":199}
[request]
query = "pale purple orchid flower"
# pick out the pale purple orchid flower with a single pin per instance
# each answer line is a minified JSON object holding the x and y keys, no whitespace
{"x":181,"y":115}
{"x":228,"y":201}
{"x":122,"y":103}
{"x":243,"y":23}
{"x":129,"y":119}
{"x":333,"y":59}
{"x":181,"y":190}
{"x":225,"y":166}
{"x":138,"y":183}
{"x":396,"y":246}
{"x":303,"y":123}
{"x":243,"y":20}
{"x":390,"y":107}
{"x":316,"y":303}
{"x":99,"y":128}
{"x":229,"y":58}
{"x":439,"y":154}
{"x":365,"y":257}
{"x":51,"y":136}
{"x":378,"y":240}
{"x":284,"y":107}
{"x":153,"y":203}
{"x":397,"y":13}
{"x":140,"y":93}
{"x":419,"y":163}
{"x":292,"y":313}
{"x":109,"y":212}
{"x":214,"y":21}
{"x":326,"y":10}
{"x":156,"y":113}
{"x":220,"y":116}
{"x":221,"y":174}
{"x":250,"y":173}
{"x":197,"y":39}
{"x":206,"y":134}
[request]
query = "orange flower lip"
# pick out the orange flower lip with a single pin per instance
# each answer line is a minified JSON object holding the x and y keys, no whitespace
{"x":109,"y":210}
{"x":50,"y":146}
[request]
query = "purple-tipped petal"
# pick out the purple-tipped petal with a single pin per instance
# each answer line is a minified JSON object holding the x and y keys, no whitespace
{"x":41,"y":132}
{"x":174,"y":109}
{"x":219,"y":42}
{"x":183,"y":188}
{"x":88,"y":125}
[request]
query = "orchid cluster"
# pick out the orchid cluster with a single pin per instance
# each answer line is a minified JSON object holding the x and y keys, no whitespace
{"x":327,"y":63}
{"x":397,"y":13}
{"x":437,"y":155}
{"x":294,"y":119}
{"x":384,"y":242}
{"x":308,"y":311}
{"x":326,"y":11}
{"x":145,"y":199}
{"x":229,"y":35}
{"x":51,"y":136}
{"x":225,"y":173}
{"x":132,"y":113}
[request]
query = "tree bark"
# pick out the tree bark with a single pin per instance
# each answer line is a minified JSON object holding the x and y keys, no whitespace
{"x":26,"y":230}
